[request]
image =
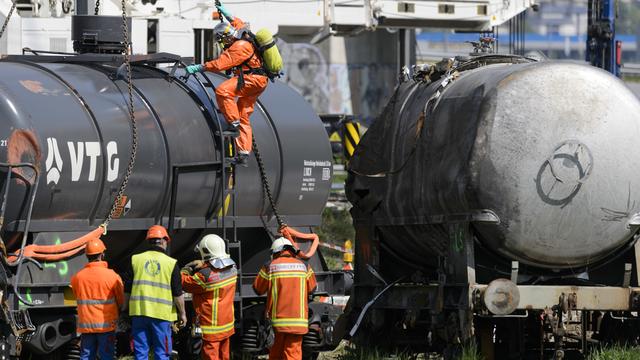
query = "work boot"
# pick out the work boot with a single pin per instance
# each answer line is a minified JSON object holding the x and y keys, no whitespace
{"x":242,"y":159}
{"x":232,"y":129}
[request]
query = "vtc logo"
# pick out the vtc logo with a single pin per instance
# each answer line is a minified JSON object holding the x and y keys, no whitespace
{"x":152,"y":267}
{"x":78,"y":151}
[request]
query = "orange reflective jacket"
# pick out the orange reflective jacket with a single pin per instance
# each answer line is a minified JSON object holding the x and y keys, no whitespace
{"x":100,"y":294}
{"x":287,"y":282}
{"x":213,"y":293}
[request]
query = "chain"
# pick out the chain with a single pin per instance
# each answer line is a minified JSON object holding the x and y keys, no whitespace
{"x":6,"y":21}
{"x":97,"y":9}
{"x":134,"y":128}
{"x":265,"y":184}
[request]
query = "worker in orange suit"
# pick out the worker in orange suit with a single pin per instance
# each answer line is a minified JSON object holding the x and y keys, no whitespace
{"x":242,"y":58}
{"x":291,"y":281}
{"x":100,"y":295}
{"x":212,"y":281}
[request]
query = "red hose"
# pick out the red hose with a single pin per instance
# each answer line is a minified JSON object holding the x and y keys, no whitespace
{"x":293,"y":234}
{"x":60,"y":251}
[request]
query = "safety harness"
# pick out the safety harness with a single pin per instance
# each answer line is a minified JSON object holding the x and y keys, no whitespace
{"x":259,"y":50}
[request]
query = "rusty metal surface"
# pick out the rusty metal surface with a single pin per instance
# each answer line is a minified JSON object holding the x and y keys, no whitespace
{"x":501,"y":297}
{"x":539,"y":297}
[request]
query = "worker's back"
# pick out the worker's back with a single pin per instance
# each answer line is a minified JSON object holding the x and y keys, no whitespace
{"x":213,"y":294}
{"x":151,"y":294}
{"x":98,"y":292}
{"x":287,"y":282}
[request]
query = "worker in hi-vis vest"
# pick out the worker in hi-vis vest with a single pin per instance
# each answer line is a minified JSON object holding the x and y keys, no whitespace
{"x":251,"y":80}
{"x":287,"y":282}
{"x":100,"y":296}
{"x":212,"y":281}
{"x":155,"y":294}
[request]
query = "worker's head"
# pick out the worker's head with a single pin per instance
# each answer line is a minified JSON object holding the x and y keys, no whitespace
{"x":281,"y":245}
{"x":157,"y":235}
{"x":225,"y":33}
{"x":212,"y":247}
{"x":95,"y":250}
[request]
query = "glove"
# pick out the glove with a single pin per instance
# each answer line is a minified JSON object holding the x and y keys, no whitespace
{"x":195,"y":68}
{"x":191,"y":267}
{"x":223,"y":10}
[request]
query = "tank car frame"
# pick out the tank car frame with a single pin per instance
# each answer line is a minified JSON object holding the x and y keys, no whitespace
{"x":468,"y":293}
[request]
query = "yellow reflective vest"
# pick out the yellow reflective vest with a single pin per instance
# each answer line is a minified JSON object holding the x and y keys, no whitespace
{"x":151,"y":291}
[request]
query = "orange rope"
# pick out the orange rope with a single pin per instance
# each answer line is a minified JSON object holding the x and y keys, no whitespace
{"x":293,"y":234}
{"x":59,"y":251}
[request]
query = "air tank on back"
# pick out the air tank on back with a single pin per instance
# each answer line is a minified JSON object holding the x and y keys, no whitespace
{"x":547,"y":148}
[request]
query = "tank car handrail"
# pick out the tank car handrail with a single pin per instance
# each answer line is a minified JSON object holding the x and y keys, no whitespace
{"x":33,"y":189}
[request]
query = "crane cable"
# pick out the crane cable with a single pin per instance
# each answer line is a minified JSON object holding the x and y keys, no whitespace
{"x":286,"y":231}
{"x":132,"y":117}
{"x":68,"y":249}
{"x":14,"y":3}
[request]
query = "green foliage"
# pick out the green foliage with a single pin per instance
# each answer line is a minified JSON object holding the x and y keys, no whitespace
{"x":336,"y":226}
{"x":615,"y":353}
{"x":335,"y":229}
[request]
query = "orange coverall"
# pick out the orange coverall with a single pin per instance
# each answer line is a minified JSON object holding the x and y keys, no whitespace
{"x":213,"y":292}
{"x":287,"y":282}
{"x":100,"y":294}
{"x":239,"y":52}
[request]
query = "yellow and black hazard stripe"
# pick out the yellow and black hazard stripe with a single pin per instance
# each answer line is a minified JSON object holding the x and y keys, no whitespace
{"x":351,"y":137}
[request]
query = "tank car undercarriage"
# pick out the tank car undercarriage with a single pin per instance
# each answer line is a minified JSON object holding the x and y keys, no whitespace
{"x":517,"y":316}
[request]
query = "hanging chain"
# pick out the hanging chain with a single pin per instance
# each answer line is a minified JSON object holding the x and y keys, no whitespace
{"x":97,"y":9}
{"x":134,"y":128}
{"x":265,"y":184}
{"x":6,"y":21}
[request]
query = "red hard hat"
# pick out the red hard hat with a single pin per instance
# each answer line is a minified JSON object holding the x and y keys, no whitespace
{"x":157,"y":232}
{"x":95,"y":247}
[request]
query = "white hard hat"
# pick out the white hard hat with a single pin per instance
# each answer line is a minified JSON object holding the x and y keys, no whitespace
{"x":280,"y":243}
{"x":212,"y":247}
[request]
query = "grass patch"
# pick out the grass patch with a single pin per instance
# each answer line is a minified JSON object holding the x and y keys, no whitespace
{"x":371,"y":354}
{"x":616,"y":352}
{"x":471,"y":352}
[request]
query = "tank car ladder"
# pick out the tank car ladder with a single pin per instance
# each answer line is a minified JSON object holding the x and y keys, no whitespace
{"x":228,"y":193}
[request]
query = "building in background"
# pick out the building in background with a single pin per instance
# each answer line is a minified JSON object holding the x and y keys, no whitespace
{"x":558,"y":30}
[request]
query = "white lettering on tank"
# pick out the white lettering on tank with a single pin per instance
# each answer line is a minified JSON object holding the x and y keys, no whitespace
{"x":112,"y":169}
{"x":77,"y":159}
{"x":93,"y":151}
{"x":53,"y":163}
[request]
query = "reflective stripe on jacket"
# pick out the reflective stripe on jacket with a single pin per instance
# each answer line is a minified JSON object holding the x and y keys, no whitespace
{"x":287,"y":282}
{"x":213,"y":294}
{"x":151,"y":288}
{"x":99,"y":293}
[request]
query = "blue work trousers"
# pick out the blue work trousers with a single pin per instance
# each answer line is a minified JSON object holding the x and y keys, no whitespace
{"x":100,"y":344}
{"x":151,"y":333}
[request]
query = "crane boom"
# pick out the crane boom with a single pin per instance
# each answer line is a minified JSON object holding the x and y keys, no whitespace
{"x":603,"y":50}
